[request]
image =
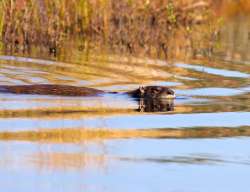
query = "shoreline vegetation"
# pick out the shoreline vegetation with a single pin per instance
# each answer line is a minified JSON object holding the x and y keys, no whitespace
{"x":162,"y":29}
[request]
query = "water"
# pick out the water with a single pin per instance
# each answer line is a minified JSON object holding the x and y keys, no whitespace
{"x":109,"y":143}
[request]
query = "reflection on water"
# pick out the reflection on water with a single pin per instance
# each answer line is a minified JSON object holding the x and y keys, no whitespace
{"x":94,"y":143}
{"x":210,"y":70}
{"x":83,"y":134}
{"x":235,"y":40}
{"x":94,"y":167}
{"x":155,"y":105}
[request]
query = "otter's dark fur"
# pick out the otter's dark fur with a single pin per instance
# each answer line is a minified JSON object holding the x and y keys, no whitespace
{"x":50,"y":89}
{"x":67,"y":90}
{"x":154,"y":92}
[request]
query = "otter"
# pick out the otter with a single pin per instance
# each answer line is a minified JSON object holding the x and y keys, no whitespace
{"x":153,"y":92}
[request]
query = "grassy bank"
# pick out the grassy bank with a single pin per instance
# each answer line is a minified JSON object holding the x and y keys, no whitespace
{"x":164,"y":28}
{"x":124,"y":25}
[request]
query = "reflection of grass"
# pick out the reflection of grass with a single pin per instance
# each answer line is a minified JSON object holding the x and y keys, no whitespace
{"x":64,"y":112}
{"x":78,"y":112}
{"x":57,"y":161}
{"x":78,"y":135}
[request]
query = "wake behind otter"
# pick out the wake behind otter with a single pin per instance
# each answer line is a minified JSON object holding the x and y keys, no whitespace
{"x":155,"y":92}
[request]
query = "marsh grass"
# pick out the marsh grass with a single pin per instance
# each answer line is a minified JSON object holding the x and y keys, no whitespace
{"x":162,"y":29}
{"x":135,"y":27}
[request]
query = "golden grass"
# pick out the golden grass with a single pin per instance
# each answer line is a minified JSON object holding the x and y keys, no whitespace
{"x":54,"y":161}
{"x":141,"y":26}
{"x":72,"y":112}
{"x":232,"y":8}
{"x":163,"y":29}
{"x":80,"y":135}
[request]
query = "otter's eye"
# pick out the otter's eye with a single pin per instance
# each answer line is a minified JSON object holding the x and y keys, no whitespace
{"x":170,"y":92}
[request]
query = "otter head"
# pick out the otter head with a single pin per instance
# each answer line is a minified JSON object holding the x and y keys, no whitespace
{"x":141,"y":91}
{"x":156,"y":92}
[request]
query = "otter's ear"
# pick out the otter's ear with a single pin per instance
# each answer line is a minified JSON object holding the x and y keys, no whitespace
{"x":142,"y":91}
{"x":141,"y":88}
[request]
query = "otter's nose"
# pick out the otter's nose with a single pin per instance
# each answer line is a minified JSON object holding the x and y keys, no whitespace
{"x":171,"y":96}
